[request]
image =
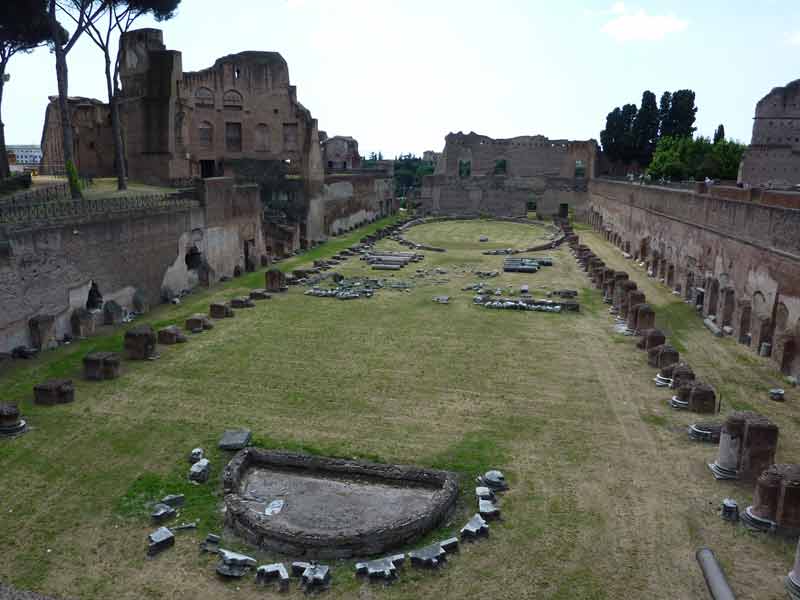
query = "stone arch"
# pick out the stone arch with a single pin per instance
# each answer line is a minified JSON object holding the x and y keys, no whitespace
{"x":232,"y":100}
{"x":262,"y":137}
{"x":760,"y":307}
{"x":94,"y":299}
{"x":203,"y":98}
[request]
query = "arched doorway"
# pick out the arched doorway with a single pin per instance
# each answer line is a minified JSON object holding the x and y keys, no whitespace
{"x":670,"y":275}
{"x":728,"y":306}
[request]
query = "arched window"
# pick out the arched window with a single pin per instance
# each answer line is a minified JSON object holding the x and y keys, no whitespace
{"x":204,"y":98}
{"x":205,"y":134}
{"x":232,"y":100}
{"x":262,"y":138}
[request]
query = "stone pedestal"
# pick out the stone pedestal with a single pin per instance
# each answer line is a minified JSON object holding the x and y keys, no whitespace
{"x":42,"y":330}
{"x":621,"y":293}
{"x":10,"y":422}
{"x":112,"y":313}
{"x":259,"y":294}
{"x":629,"y":309}
{"x":54,"y":391}
{"x":681,"y":374}
{"x":220,"y":311}
{"x":171,"y":335}
{"x":651,"y":338}
{"x":140,"y":342}
{"x":243,"y":302}
{"x":101,"y":365}
{"x":275,"y":281}
{"x":82,"y":323}
{"x":747,"y":446}
{"x":198,"y":323}
{"x":702,"y":399}
{"x":758,"y":450}
{"x":662,"y":356}
{"x":645,"y":317}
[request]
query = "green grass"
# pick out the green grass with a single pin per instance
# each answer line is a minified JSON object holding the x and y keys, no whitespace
{"x":676,"y":320}
{"x":565,"y":408}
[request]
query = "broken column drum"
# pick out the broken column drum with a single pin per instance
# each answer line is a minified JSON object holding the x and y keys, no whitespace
{"x":776,"y":500}
{"x":681,"y":374}
{"x":140,"y":342}
{"x":747,"y":446}
{"x":662,"y":356}
{"x":275,"y":280}
{"x":218,"y":310}
{"x":10,"y":422}
{"x":651,"y":338}
{"x":54,"y":391}
{"x":792,"y":581}
{"x":621,"y":293}
{"x":101,"y":365}
{"x":702,"y":399}
{"x":333,"y":508}
{"x":645,"y":317}
{"x":628,"y":311}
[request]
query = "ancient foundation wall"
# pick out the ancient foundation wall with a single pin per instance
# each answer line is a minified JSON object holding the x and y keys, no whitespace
{"x":46,"y":268}
{"x":738,"y":261}
{"x":347,"y":201}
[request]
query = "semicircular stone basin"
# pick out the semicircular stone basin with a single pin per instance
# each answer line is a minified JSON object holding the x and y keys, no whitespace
{"x":320,"y":507}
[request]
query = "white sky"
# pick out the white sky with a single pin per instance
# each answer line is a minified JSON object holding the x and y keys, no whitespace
{"x":399,"y":75}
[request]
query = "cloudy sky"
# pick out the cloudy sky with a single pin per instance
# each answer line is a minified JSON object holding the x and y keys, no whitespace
{"x":400,"y":74}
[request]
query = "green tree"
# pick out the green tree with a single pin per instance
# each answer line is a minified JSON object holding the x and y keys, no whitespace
{"x":629,"y":149}
{"x":23,"y":27}
{"x":645,"y":128}
{"x":682,"y":113}
{"x":719,"y":134}
{"x":82,"y":13}
{"x":665,"y":127}
{"x":696,"y":158}
{"x":613,"y":136}
{"x":120,"y":16}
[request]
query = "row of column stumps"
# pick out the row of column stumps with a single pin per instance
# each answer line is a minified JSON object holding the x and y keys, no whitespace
{"x":747,"y":441}
{"x":140,"y":343}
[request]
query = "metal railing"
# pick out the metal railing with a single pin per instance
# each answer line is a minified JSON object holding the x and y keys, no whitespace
{"x":72,"y":210}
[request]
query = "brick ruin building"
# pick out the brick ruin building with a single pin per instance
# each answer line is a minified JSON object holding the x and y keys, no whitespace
{"x":233,"y":145}
{"x":773,"y":157}
{"x":476,"y":175}
{"x":240,"y":118}
{"x":340,"y":153}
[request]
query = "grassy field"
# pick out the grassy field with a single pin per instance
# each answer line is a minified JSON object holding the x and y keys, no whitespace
{"x":608,"y":498}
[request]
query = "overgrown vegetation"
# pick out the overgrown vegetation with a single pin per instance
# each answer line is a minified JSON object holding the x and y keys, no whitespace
{"x":696,"y":158}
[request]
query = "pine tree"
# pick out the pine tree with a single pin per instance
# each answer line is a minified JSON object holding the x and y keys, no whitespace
{"x":719,"y":134}
{"x":645,"y":129}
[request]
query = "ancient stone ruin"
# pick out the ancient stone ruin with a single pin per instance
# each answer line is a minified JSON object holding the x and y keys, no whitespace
{"x":54,"y":391}
{"x":334,"y":508}
{"x":11,"y":424}
{"x":776,"y":501}
{"x":747,"y":446}
{"x":101,"y":365}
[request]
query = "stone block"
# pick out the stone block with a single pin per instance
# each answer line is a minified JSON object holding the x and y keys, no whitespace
{"x":260,"y":294}
{"x":275,"y":281}
{"x":651,"y":338}
{"x":758,"y":447}
{"x":140,"y":342}
{"x":171,"y":335}
{"x":218,"y":310}
{"x":158,"y":541}
{"x":112,"y":313}
{"x":54,"y":391}
{"x":645,"y":317}
{"x":681,"y":374}
{"x":10,"y":422}
{"x":702,"y":399}
{"x":235,"y":439}
{"x":242,"y":302}
{"x":82,"y":323}
{"x":200,"y":471}
{"x":198,"y":323}
{"x":101,"y":365}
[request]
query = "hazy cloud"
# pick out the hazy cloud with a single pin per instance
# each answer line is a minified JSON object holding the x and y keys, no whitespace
{"x":638,"y":25}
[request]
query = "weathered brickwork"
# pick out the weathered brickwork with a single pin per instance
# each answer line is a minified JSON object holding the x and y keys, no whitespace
{"x":740,"y":261}
{"x":773,"y":157}
{"x":47,"y":268}
{"x":479,"y":175}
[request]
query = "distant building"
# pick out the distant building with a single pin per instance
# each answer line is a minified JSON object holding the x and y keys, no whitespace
{"x":431,"y":157}
{"x":773,"y":157}
{"x":478,"y":175}
{"x":24,"y":154}
{"x":340,"y":153}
